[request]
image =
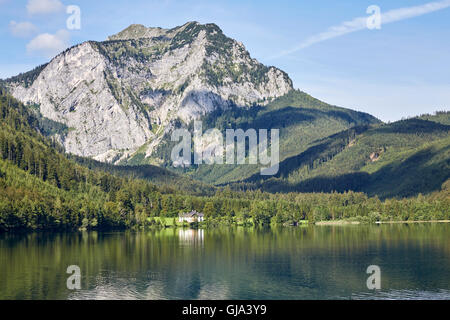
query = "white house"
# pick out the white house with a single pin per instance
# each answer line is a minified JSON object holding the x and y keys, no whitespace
{"x":190,"y":217}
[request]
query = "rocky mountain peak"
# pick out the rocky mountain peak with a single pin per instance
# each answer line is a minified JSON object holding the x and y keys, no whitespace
{"x":139,"y":31}
{"x":124,"y":95}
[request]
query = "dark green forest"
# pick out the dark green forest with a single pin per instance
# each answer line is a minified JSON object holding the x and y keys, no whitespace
{"x":401,"y":159}
{"x":41,"y":188}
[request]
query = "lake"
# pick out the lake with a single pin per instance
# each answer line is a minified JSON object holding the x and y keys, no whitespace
{"x":320,"y":262}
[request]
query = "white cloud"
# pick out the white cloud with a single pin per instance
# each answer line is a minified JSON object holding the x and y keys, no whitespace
{"x":22,"y":29}
{"x":360,"y":23}
{"x":44,"y":6}
{"x":49,"y":45}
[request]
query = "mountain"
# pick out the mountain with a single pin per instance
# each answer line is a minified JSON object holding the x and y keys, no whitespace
{"x":23,"y":140}
{"x":118,"y":101}
{"x":124,"y":94}
{"x":399,"y":159}
{"x":42,"y":188}
{"x":300,"y":118}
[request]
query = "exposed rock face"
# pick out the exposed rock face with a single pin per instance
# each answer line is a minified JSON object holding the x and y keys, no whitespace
{"x":123,"y":94}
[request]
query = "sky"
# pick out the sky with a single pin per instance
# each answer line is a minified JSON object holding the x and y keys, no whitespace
{"x":337,"y":51}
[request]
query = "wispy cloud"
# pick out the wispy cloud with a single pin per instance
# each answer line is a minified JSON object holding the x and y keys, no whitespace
{"x":360,"y":23}
{"x":44,"y":6}
{"x":22,"y":29}
{"x":48,"y":45}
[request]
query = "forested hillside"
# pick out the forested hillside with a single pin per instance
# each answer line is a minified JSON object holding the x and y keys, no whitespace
{"x":399,"y":159}
{"x":301,"y":119}
{"x":42,"y":189}
{"x":164,"y":179}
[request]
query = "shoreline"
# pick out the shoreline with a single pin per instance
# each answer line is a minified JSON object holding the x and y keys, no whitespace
{"x":345,"y":222}
{"x":415,"y":221}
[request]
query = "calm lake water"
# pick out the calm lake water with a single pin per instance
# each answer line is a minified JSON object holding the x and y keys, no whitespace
{"x":322,"y":262}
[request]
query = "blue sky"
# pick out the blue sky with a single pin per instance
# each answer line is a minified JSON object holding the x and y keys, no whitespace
{"x":397,"y":71}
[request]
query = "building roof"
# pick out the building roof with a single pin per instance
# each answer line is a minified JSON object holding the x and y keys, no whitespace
{"x":191,"y":214}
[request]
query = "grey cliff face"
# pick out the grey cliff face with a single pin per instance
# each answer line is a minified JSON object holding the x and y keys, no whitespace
{"x":123,"y":94}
